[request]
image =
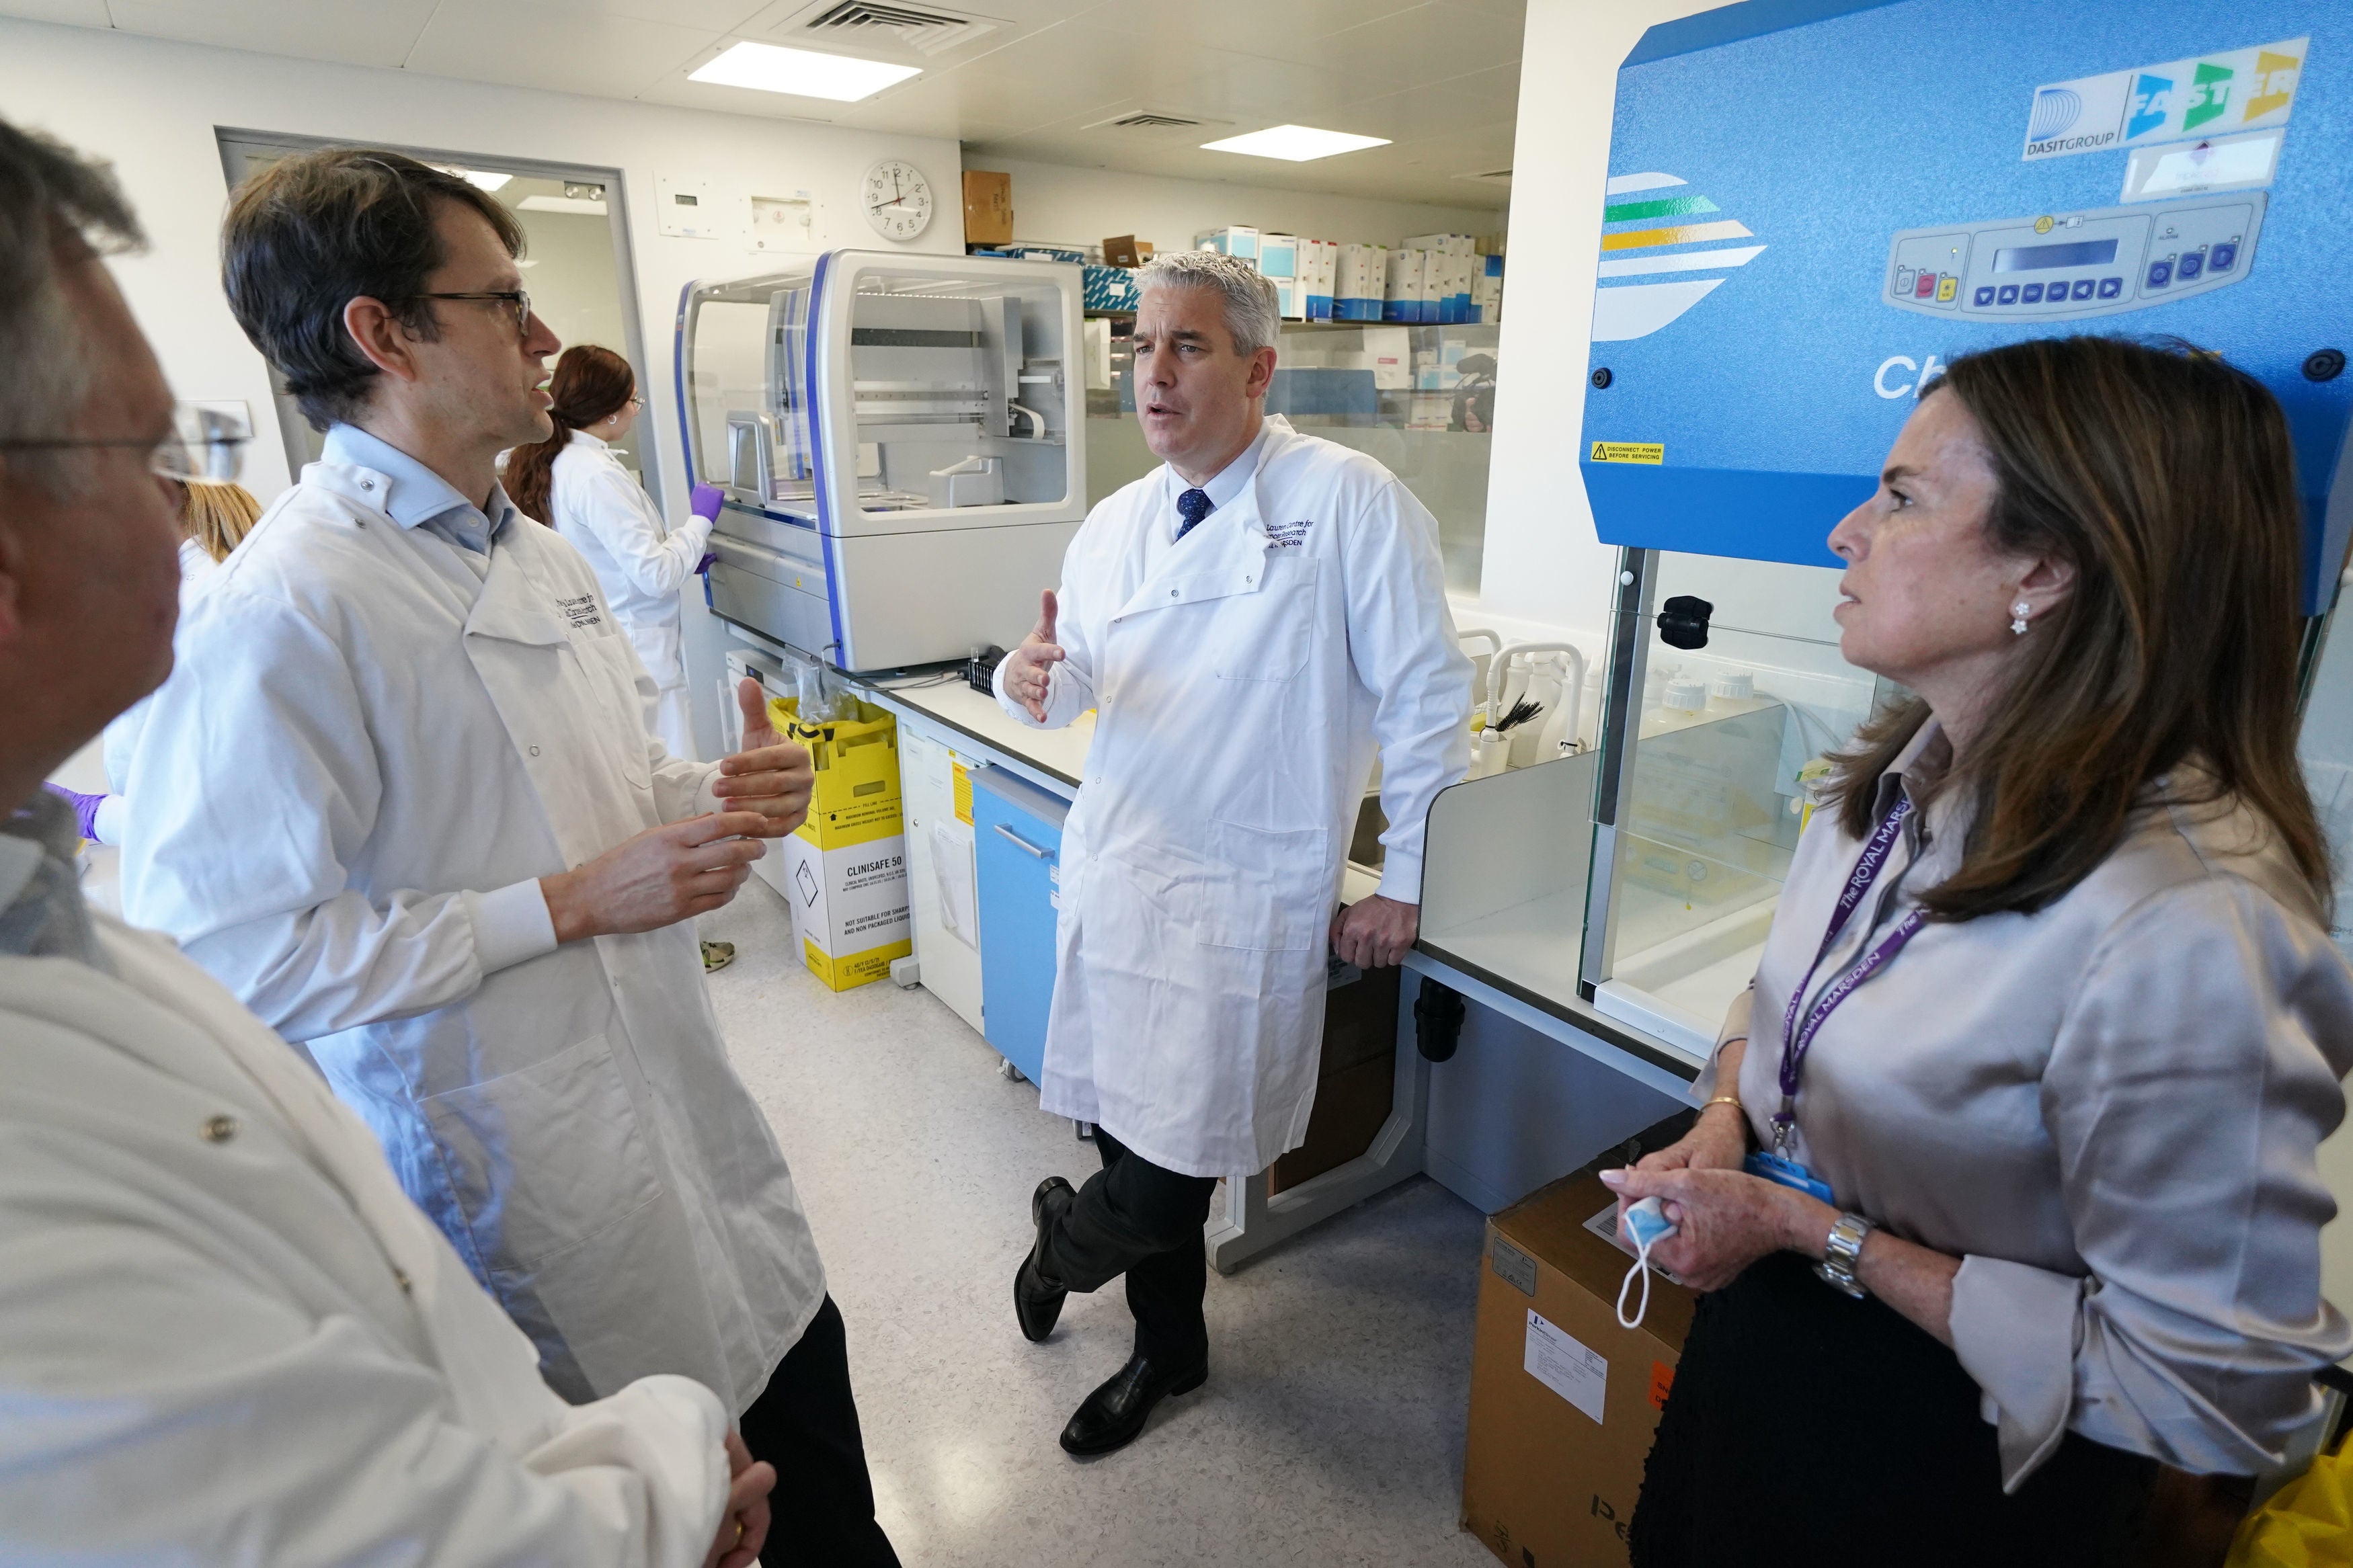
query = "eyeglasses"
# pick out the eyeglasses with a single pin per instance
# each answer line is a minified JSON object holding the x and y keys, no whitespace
{"x":514,"y":296}
{"x":170,"y":459}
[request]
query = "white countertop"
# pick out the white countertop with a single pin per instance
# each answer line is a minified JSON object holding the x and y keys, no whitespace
{"x":1052,"y":759}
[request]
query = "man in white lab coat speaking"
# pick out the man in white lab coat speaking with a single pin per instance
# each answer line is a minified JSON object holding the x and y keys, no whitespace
{"x":1251,"y":621}
{"x":226,"y":1336}
{"x":400,"y":799}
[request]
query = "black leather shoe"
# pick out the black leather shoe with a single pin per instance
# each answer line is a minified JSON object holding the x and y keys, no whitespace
{"x":1114,"y":1416}
{"x":1037,"y":1298}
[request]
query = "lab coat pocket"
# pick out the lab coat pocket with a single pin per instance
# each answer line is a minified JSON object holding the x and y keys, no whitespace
{"x":545,"y":1157}
{"x":1265,"y":636}
{"x":1274,"y":895}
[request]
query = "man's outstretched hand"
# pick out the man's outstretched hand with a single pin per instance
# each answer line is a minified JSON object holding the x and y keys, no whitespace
{"x":1029,"y":667}
{"x":770,"y":775}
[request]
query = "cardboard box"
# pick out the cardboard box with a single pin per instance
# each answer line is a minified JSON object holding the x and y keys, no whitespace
{"x":1564,"y":1402}
{"x":844,"y":870}
{"x":1278,"y":255}
{"x":988,"y":207}
{"x":1234,"y":239}
{"x":1408,"y":297}
{"x":1126,"y":250}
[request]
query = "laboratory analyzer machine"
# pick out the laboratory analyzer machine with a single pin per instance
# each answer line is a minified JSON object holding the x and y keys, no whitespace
{"x":902,"y":450}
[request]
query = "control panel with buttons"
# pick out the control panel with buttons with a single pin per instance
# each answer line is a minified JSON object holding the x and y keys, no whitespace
{"x":2058,"y":266}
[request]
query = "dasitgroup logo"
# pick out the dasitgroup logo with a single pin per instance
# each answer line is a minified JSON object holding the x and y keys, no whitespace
{"x":2056,"y":111}
{"x":1654,"y":225}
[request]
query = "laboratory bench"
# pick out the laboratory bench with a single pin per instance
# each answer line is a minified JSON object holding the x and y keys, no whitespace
{"x":985,"y":798}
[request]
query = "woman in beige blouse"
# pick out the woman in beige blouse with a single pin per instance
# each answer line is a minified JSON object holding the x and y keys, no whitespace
{"x":2063,"y":1066}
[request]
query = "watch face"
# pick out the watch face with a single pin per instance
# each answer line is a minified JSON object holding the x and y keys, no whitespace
{"x":897,"y":199}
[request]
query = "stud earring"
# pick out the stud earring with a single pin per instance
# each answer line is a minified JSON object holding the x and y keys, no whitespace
{"x":2018,"y":614}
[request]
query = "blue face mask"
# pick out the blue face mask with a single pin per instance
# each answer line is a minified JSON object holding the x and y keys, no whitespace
{"x":1647,"y":1225}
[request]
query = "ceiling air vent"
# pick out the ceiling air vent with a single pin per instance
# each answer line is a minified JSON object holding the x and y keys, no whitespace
{"x":1149,"y":121}
{"x":926,"y":29}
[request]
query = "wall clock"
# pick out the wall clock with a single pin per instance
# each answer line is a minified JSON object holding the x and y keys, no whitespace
{"x":897,"y":199}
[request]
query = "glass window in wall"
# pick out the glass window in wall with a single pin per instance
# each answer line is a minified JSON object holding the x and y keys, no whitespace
{"x":1421,"y":399}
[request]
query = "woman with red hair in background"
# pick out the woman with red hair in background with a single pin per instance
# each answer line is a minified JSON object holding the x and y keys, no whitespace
{"x":574,"y":483}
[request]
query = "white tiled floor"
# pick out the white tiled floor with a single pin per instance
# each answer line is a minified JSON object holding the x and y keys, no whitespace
{"x":1330,"y":1431}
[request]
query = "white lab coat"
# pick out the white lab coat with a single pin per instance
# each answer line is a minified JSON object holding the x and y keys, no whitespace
{"x":602,"y":509}
{"x":361,"y":736}
{"x":121,"y":736}
{"x":253,"y":1348}
{"x":1243,"y":685}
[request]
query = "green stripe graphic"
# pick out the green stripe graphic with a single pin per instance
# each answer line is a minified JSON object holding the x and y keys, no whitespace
{"x":1667,"y":206}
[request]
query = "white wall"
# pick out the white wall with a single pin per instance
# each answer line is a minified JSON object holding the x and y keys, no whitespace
{"x":153,"y":107}
{"x":1052,"y":202}
{"x":1543,"y":563}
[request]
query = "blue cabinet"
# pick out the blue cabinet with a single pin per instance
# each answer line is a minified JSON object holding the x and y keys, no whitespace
{"x":1017,"y":850}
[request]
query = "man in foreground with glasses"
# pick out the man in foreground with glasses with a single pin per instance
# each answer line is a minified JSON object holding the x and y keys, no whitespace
{"x":226,"y":1335}
{"x":400,"y":799}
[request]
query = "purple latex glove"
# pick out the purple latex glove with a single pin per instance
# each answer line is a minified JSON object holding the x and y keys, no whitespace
{"x":705,"y":502}
{"x":85,"y":808}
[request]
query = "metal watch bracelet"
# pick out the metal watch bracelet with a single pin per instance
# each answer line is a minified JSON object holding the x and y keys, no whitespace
{"x":1843,"y":1252}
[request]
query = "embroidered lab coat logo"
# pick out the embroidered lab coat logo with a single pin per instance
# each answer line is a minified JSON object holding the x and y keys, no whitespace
{"x":1288,"y":535}
{"x":581,"y":612}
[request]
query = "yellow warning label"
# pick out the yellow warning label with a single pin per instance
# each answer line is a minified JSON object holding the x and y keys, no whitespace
{"x":963,"y":793}
{"x":1626,"y":452}
{"x":858,"y":969}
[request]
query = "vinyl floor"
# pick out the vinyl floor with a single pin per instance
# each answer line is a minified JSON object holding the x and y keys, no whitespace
{"x":1330,"y":1431}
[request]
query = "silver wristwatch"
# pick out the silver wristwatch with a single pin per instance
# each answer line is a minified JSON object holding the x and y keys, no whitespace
{"x":1841,"y":1252}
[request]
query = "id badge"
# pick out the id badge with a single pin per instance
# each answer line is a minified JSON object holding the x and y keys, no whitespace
{"x":1788,"y":1172}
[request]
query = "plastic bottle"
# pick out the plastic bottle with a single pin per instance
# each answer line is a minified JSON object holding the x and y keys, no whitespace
{"x":1543,"y":690}
{"x":1555,"y":740}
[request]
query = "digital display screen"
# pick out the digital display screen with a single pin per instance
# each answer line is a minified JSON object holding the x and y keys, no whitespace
{"x":2040,"y":257}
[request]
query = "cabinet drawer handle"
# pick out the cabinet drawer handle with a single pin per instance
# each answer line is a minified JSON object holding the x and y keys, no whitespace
{"x":1020,"y":843}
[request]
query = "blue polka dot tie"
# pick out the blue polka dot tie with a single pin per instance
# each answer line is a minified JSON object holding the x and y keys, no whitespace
{"x":1192,"y":506}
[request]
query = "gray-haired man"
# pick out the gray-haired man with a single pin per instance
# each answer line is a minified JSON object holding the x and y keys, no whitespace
{"x":1251,"y":621}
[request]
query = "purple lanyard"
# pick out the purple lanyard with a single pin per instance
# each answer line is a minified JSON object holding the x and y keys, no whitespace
{"x":1797,"y":1037}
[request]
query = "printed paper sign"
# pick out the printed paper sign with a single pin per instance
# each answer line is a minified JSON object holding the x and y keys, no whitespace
{"x":1561,"y":1363}
{"x":2244,"y":163}
{"x":2206,"y":96}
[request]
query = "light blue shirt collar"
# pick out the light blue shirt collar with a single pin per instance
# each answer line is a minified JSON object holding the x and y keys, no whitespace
{"x":1225,"y":485}
{"x":416,"y":496}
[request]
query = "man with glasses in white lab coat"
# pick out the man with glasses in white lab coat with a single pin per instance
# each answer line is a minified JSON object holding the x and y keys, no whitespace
{"x":226,"y":1334}
{"x":1250,"y":620}
{"x":400,"y":799}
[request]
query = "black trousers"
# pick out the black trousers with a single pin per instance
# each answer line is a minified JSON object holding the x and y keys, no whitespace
{"x":805,"y":1424}
{"x":1135,"y":1218}
{"x":1809,"y":1427}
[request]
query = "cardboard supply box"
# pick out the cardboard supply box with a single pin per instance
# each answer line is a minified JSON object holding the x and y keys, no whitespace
{"x":988,"y":207}
{"x":1564,"y":1402}
{"x":844,"y":870}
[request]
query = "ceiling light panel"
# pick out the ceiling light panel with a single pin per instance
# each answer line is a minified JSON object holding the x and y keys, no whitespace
{"x":804,"y":73}
{"x":1294,"y":143}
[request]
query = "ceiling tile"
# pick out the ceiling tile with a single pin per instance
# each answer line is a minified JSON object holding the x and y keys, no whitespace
{"x":1428,"y":43}
{"x":709,"y":15}
{"x":1278,"y":29}
{"x":1255,"y":92}
{"x":1065,"y":71}
{"x":1490,"y":97}
{"x":353,"y":32}
{"x":525,"y":44}
{"x":71,"y":13}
